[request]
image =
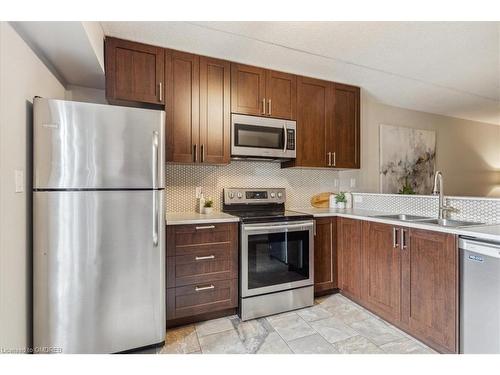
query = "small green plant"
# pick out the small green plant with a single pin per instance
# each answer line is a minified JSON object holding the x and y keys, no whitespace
{"x":340,"y":197}
{"x":406,"y":189}
{"x":209,"y":203}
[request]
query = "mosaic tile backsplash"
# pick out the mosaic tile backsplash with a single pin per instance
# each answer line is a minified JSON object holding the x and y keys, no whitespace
{"x":301,"y":185}
{"x":484,"y":210}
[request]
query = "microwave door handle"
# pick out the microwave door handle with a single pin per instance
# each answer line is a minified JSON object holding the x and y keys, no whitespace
{"x":286,"y":140}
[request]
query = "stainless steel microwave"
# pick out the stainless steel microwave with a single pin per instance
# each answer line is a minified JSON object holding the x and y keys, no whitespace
{"x":262,"y":137}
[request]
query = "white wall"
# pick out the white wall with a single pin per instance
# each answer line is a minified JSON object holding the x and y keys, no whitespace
{"x":85,"y":94}
{"x":22,"y":76}
{"x":96,"y":37}
{"x":467,"y":152}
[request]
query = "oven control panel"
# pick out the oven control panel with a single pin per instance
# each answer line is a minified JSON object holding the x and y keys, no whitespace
{"x":254,"y":196}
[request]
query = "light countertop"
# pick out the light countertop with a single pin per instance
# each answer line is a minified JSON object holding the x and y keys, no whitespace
{"x":485,"y":232}
{"x":181,"y":218}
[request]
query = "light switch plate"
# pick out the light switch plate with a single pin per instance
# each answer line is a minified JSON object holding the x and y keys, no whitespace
{"x":353,"y":183}
{"x":19,"y":181}
{"x":336,"y":183}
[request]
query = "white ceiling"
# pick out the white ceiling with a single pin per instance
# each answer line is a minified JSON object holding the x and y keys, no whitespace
{"x":448,"y":68}
{"x":69,"y":49}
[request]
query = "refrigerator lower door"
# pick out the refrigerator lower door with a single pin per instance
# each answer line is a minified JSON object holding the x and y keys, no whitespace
{"x":99,"y":270}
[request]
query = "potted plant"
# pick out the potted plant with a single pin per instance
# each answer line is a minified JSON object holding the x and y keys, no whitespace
{"x":406,"y":188}
{"x":208,"y":206}
{"x":340,"y":199}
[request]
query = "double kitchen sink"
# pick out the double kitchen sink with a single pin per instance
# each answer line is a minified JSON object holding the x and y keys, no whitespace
{"x":428,"y":220}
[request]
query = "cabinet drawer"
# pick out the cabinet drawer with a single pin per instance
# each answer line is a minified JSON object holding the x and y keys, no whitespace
{"x":201,"y":298}
{"x":181,"y":236}
{"x":202,"y":263}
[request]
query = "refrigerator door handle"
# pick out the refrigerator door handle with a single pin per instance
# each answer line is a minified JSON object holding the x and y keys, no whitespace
{"x":155,"y":159}
{"x":155,"y":218}
{"x":155,"y":185}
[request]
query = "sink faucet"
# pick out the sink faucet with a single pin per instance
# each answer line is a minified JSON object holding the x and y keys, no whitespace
{"x":438,"y":180}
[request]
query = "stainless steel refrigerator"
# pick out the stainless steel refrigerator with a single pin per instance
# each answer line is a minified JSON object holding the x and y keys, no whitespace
{"x":98,"y":229}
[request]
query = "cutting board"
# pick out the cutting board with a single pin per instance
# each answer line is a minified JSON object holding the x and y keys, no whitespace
{"x":321,"y":200}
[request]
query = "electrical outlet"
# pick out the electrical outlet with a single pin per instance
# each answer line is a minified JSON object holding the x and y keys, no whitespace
{"x":198,"y":192}
{"x":19,"y":181}
{"x":353,"y":183}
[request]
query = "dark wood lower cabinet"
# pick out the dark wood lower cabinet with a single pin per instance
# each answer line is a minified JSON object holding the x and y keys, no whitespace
{"x":325,"y":256}
{"x":407,"y":276}
{"x":381,"y":260}
{"x":193,"y":300}
{"x":349,"y":257}
{"x":202,"y":271}
{"x":430,"y":289}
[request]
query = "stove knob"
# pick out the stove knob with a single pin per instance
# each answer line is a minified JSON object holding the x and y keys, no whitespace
{"x":280,"y":195}
{"x":240,"y":195}
{"x":230,"y":195}
{"x":272,"y":195}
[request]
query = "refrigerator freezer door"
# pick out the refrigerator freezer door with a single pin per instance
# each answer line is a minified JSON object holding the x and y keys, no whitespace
{"x":99,"y":278}
{"x":93,"y":146}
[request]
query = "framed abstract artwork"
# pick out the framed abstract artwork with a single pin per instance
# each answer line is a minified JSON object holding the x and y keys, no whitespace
{"x":407,"y":160}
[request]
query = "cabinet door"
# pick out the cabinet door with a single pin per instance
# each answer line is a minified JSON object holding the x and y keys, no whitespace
{"x":382,"y":270}
{"x":349,"y":245}
{"x":182,"y":107}
{"x":281,"y":94}
{"x":248,"y":86}
{"x":314,"y":114}
{"x":215,"y":111}
{"x":134,"y":72}
{"x":325,"y":255}
{"x":343,"y":139}
{"x":430,"y":286}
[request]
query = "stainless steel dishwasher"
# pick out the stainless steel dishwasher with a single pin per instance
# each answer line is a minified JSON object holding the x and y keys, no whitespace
{"x":479,"y":296}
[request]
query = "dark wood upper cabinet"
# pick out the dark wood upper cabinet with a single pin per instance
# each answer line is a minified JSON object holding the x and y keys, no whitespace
{"x":261,"y":92}
{"x":381,"y":272}
{"x":199,"y":94}
{"x":281,"y":94}
{"x":314,"y":114}
{"x":215,"y":111}
{"x":248,"y":90}
{"x":182,"y":106}
{"x":328,"y":127}
{"x":325,"y":255}
{"x":349,"y":255}
{"x":134,"y":72}
{"x":343,"y":137}
{"x":430,"y":288}
{"x":198,"y":109}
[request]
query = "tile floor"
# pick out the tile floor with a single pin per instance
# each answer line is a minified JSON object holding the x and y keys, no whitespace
{"x":333,"y":325}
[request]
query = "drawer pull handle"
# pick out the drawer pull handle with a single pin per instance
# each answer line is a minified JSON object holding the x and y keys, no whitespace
{"x":206,"y":227}
{"x":205,"y":257}
{"x":201,"y":288}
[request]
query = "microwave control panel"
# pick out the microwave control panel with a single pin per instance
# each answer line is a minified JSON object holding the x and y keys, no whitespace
{"x":290,"y":139}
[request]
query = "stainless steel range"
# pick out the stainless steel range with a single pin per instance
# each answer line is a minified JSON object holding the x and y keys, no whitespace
{"x":276,"y":252}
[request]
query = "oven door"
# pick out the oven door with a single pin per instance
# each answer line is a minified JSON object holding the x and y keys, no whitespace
{"x":262,"y":137}
{"x":276,"y":256}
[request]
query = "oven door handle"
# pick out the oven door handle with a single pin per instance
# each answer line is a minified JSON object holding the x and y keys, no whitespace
{"x":306,"y":226}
